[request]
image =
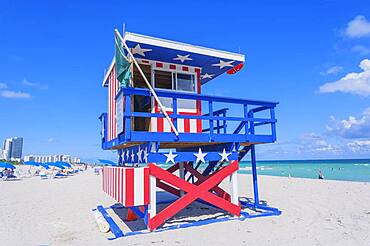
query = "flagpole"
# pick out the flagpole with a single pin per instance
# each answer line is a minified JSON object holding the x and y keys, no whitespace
{"x":163,"y":110}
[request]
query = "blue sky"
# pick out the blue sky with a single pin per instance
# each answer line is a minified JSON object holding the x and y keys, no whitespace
{"x":299,"y":53}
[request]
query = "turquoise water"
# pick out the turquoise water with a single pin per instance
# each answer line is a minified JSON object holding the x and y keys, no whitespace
{"x":340,"y":169}
{"x":348,"y":169}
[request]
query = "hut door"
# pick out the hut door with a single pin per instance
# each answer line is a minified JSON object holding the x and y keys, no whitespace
{"x":141,"y":103}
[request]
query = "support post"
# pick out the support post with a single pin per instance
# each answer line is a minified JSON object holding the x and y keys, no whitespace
{"x":182,"y":175}
{"x":152,"y":208}
{"x":254,"y":174}
{"x":234,"y":188}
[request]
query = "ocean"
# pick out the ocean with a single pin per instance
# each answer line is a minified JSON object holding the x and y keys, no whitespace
{"x":339,"y":169}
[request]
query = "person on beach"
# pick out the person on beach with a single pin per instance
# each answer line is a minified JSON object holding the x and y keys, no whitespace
{"x":320,"y":175}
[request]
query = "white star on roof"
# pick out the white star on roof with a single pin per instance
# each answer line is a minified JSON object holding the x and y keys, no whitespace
{"x":132,"y":156}
{"x":224,"y":155}
{"x":138,"y":50}
{"x":170,"y":157}
{"x":183,"y":58}
{"x":139,"y":155}
{"x":207,"y":76}
{"x":200,"y":156}
{"x":223,"y":64}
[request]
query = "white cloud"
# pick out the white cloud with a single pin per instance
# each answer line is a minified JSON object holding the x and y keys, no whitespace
{"x":362,"y":50}
{"x":359,"y":146}
{"x":355,"y":83}
{"x":314,"y":143}
{"x":31,"y":84}
{"x":15,"y":94}
{"x":3,"y":86}
{"x":358,"y":27}
{"x":353,"y":127}
{"x":332,"y":70}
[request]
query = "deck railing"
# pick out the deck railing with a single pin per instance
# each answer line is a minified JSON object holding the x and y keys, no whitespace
{"x":217,"y":132}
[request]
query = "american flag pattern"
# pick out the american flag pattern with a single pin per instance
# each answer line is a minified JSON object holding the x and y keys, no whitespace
{"x":112,"y":92}
{"x":127,"y":185}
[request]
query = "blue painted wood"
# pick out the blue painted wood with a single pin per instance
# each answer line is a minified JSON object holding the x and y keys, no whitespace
{"x":112,"y":225}
{"x":254,"y":174}
{"x":210,"y":105}
{"x":127,"y":117}
{"x":192,"y":96}
{"x":214,"y":117}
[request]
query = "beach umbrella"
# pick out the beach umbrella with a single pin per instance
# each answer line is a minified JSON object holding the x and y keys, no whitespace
{"x":31,"y":163}
{"x":55,"y":164}
{"x":63,"y":163}
{"x":44,"y":165}
{"x":6,"y":165}
{"x":108,"y":162}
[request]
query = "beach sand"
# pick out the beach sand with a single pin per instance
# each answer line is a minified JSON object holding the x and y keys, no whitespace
{"x":314,"y":212}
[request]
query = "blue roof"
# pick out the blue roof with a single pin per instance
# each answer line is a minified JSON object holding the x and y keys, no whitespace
{"x":212,"y":62}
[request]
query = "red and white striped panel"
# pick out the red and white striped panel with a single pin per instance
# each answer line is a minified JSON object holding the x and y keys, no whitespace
{"x":183,"y":125}
{"x":112,"y":92}
{"x":127,"y":185}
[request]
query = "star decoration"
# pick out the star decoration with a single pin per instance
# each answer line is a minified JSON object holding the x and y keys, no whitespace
{"x":224,"y":155}
{"x":200,"y":156}
{"x":170,"y":157}
{"x":183,"y":58}
{"x":223,"y":64}
{"x":139,"y":155}
{"x":138,"y":50}
{"x":127,"y":155}
{"x":132,"y":156}
{"x":207,"y":76}
{"x":146,"y":155}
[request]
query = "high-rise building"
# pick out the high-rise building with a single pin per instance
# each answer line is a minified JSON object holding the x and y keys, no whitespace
{"x":16,"y":151}
{"x":13,"y":148}
{"x":7,"y":148}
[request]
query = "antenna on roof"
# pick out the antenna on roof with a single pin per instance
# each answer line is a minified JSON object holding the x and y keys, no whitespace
{"x":123,"y":29}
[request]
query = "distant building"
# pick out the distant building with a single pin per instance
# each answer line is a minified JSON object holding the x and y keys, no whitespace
{"x":29,"y":158}
{"x":13,"y":148}
{"x":52,"y":158}
{"x":17,"y":146}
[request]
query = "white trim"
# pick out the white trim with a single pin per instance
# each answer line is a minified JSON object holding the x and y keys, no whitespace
{"x":108,"y":72}
{"x":182,"y":46}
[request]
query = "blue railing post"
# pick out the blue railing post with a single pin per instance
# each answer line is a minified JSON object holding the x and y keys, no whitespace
{"x":246,"y":116}
{"x":128,"y":117}
{"x":273,"y":124}
{"x":210,"y":103}
{"x":251,"y":123}
{"x":254,"y":173}
{"x":174,"y":106}
{"x":224,"y":122}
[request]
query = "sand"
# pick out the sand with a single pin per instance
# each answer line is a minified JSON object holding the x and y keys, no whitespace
{"x":315,"y":212}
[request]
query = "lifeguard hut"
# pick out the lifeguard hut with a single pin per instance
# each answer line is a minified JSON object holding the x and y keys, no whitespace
{"x":161,"y":117}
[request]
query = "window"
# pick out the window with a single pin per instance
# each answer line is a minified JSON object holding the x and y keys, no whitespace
{"x":185,"y":82}
{"x":163,"y":79}
{"x":174,"y":81}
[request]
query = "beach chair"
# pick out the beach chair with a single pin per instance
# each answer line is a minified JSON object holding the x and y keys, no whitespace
{"x":43,"y":175}
{"x":60,"y":175}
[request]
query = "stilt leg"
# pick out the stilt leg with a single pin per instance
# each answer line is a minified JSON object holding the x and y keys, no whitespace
{"x":182,"y":175}
{"x":254,"y":173}
{"x":152,"y":208}
{"x":234,"y":188}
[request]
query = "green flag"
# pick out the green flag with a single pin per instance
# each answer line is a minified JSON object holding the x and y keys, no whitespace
{"x":123,"y":70}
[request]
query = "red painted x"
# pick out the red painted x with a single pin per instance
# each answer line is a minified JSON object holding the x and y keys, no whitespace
{"x":199,"y":190}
